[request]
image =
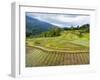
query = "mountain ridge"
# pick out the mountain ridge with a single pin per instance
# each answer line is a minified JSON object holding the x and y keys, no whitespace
{"x":33,"y":24}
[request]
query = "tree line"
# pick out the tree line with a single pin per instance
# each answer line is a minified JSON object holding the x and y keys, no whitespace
{"x":56,"y":31}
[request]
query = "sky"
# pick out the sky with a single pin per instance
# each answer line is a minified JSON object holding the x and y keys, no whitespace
{"x":61,"y":20}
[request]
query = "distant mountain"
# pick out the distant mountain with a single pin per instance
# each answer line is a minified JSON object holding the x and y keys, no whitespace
{"x":36,"y":26}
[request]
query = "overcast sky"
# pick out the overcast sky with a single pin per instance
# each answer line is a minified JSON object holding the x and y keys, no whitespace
{"x":62,"y":20}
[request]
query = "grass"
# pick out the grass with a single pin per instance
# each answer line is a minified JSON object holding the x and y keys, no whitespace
{"x":68,"y":41}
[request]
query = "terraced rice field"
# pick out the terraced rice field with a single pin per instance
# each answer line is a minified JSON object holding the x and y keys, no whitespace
{"x":38,"y":57}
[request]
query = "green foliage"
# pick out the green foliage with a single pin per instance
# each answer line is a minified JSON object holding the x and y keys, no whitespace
{"x":28,"y":34}
{"x":85,"y":28}
{"x":52,"y":33}
{"x":56,"y":31}
{"x":63,"y":41}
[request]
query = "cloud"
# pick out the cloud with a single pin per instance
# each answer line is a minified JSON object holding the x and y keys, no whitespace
{"x":62,"y":20}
